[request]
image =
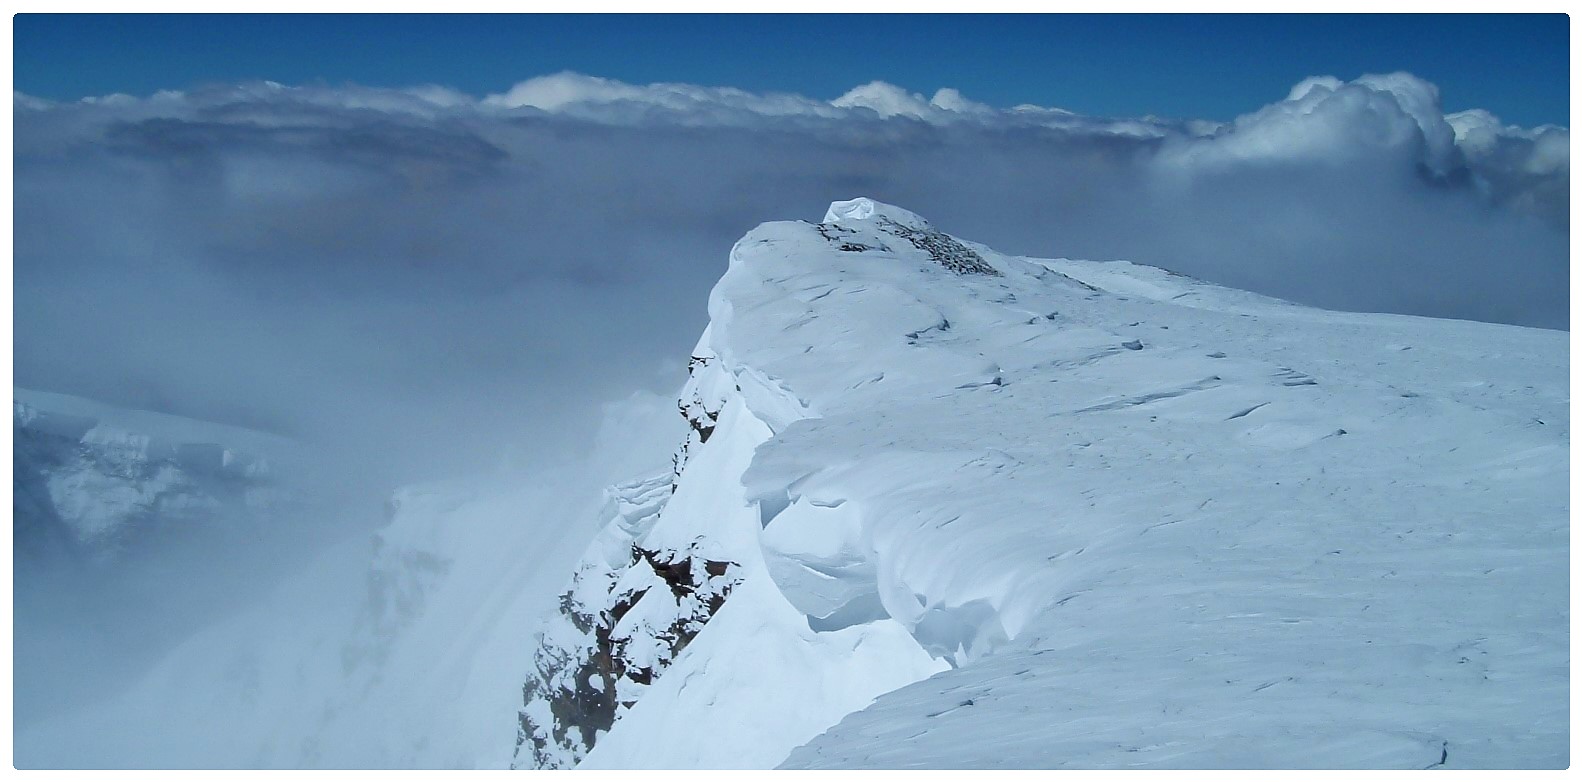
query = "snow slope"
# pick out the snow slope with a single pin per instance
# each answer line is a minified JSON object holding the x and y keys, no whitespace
{"x":131,"y":528}
{"x":1093,"y":515}
{"x":360,"y":662}
{"x":403,"y":651}
{"x":935,"y":506}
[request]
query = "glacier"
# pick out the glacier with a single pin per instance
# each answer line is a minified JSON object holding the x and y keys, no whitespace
{"x":935,"y":506}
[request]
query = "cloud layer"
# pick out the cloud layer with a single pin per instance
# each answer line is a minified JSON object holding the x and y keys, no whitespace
{"x":433,"y":283}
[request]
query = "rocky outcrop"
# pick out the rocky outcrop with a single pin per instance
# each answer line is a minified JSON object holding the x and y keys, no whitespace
{"x":702,"y":415}
{"x":945,"y":250}
{"x":673,"y":551}
{"x":638,"y":620}
{"x":631,"y":608}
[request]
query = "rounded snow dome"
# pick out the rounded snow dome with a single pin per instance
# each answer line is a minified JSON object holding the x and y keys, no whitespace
{"x":867,"y":209}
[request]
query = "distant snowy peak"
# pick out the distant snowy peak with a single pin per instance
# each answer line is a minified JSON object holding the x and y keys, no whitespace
{"x":37,"y":408}
{"x":104,"y":475}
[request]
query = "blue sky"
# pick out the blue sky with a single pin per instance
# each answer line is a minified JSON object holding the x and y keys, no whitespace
{"x":1198,"y":66}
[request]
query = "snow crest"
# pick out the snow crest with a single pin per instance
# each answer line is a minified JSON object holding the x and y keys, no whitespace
{"x":1072,"y":489}
{"x":858,"y":209}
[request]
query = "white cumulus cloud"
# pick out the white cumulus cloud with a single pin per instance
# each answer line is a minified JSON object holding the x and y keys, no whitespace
{"x":430,"y":271}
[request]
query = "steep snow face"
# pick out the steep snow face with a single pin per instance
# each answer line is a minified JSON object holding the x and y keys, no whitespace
{"x":596,"y":660}
{"x":1100,"y":493}
{"x":676,"y":590}
{"x":403,"y":657}
{"x":406,"y":650}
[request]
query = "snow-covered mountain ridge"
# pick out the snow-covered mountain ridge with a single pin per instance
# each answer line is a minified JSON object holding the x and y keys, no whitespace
{"x":92,"y":477}
{"x":936,"y":506}
{"x":1094,"y":514}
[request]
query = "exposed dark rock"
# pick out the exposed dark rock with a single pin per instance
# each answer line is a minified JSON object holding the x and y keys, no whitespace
{"x":945,"y":251}
{"x":698,"y":416}
{"x":630,"y":610}
{"x":833,"y":234}
{"x":587,"y":686}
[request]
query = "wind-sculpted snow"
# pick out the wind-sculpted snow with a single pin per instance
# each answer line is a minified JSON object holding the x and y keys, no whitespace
{"x":1142,"y":520}
{"x":938,"y":506}
{"x":678,"y":558}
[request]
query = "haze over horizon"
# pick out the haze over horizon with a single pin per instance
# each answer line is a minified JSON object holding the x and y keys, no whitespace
{"x":439,"y":252}
{"x":432,"y":283}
